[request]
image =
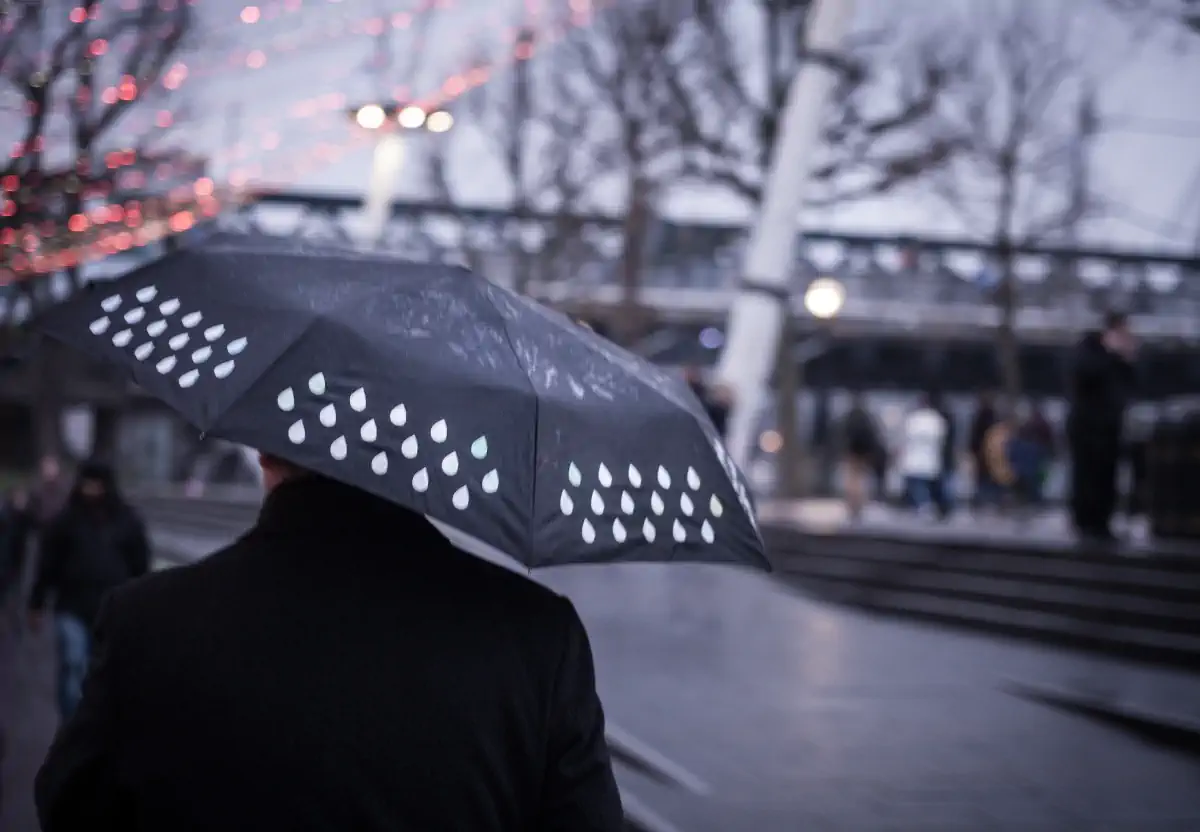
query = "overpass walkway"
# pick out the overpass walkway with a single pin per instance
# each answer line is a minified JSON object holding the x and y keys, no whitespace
{"x":774,"y":712}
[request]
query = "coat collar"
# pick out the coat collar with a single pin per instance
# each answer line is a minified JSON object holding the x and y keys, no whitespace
{"x":317,"y":506}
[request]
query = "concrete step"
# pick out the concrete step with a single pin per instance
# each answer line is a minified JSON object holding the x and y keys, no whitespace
{"x":1103,"y":603}
{"x":1002,"y":617}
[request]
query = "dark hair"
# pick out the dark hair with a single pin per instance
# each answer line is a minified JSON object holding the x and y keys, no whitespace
{"x":95,"y":471}
{"x":1115,"y":319}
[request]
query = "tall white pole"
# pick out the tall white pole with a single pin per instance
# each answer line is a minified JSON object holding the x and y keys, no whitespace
{"x":757,"y":315}
{"x":386,"y":165}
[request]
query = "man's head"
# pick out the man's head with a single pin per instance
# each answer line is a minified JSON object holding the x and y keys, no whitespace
{"x":50,"y":469}
{"x":1116,"y":322}
{"x":1117,"y":336}
{"x":276,"y":471}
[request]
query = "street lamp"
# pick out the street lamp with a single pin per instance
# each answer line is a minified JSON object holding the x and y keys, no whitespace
{"x":390,"y":122}
{"x":824,"y":298}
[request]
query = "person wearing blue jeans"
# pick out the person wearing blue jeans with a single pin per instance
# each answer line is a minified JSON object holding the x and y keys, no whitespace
{"x":95,"y":544}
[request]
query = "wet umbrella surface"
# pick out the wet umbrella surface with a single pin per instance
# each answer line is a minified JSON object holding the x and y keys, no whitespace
{"x":433,"y":388}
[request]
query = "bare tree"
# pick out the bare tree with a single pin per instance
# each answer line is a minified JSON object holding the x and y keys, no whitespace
{"x":731,"y":93}
{"x":1024,"y":118}
{"x":72,"y":70}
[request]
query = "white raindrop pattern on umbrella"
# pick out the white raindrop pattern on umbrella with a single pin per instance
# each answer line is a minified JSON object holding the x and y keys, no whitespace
{"x":652,"y":503}
{"x":735,"y":479}
{"x":194,"y":345}
{"x":422,"y":452}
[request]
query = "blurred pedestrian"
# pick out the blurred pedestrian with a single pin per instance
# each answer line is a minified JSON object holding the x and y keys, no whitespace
{"x":943,"y":487}
{"x":1102,"y":381}
{"x":49,"y":493}
{"x":860,"y":445}
{"x":988,"y":492}
{"x":93,"y":546}
{"x":921,"y":454}
{"x":342,"y":666}
{"x":14,"y":542}
{"x":715,"y":398}
{"x":1038,"y":433}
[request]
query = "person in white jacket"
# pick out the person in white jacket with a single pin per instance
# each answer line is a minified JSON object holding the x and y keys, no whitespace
{"x":921,"y":454}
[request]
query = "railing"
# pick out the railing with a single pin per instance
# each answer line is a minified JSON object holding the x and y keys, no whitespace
{"x":224,"y":512}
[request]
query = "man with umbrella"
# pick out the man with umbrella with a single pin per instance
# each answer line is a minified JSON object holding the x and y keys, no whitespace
{"x":342,"y":666}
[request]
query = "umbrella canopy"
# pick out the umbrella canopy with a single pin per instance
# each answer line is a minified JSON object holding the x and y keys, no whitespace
{"x":432,"y":388}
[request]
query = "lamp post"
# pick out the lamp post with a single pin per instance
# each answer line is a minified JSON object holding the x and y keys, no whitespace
{"x":390,"y":123}
{"x":823,"y":299}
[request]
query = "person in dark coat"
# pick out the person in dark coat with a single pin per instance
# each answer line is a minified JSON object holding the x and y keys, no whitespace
{"x":94,"y":545}
{"x":1102,"y":380}
{"x":14,"y":542}
{"x":341,"y":666}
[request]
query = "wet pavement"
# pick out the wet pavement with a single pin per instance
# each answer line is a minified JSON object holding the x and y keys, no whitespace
{"x":780,"y":713}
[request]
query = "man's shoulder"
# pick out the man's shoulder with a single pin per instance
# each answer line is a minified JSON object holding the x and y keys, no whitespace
{"x":505,"y":584}
{"x":170,"y":589}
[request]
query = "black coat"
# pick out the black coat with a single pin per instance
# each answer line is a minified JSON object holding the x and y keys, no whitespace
{"x":1102,"y":383}
{"x":84,"y":554}
{"x":339,"y":668}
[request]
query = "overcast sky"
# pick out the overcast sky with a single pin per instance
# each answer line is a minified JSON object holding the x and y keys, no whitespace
{"x":1150,"y":167}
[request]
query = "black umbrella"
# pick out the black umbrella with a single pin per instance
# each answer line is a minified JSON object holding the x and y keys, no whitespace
{"x":433,"y":388}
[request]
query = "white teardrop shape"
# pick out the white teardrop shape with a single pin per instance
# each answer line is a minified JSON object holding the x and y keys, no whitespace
{"x":420,"y":481}
{"x":664,"y":479}
{"x":111,"y":303}
{"x":214,"y":332}
{"x":337,"y":450}
{"x":491,"y":481}
{"x":296,"y":432}
{"x":99,"y":326}
{"x":626,"y":503}
{"x":236,"y":346}
{"x":122,"y":338}
{"x":677,"y":532}
{"x":369,"y":432}
{"x":597,"y":503}
{"x":565,"y":504}
{"x":169,"y":307}
{"x":223,"y":369}
{"x":358,"y":400}
{"x":619,"y":531}
{"x":146,"y":294}
{"x":189,"y":378}
{"x":166,"y":365}
{"x":191,"y":319}
{"x":461,"y":498}
{"x":379,"y":464}
{"x":134,"y":315}
{"x":201,"y":355}
{"x":143,"y":351}
{"x":398,"y":416}
{"x":656,"y":503}
{"x":479,"y":447}
{"x":693,"y":479}
{"x":573,"y":475}
{"x":605,"y":476}
{"x":156,"y":328}
{"x":635,"y":477}
{"x":438,"y":432}
{"x":409,"y":448}
{"x":316,"y":384}
{"x":685,"y":505}
{"x":648,"y":531}
{"x":706,"y":532}
{"x":714,"y":505}
{"x":286,"y":400}
{"x":179,"y":341}
{"x":328,"y":416}
{"x":589,"y":533}
{"x":450,"y":464}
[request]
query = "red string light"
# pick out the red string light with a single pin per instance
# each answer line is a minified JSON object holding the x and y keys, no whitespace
{"x":184,"y":205}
